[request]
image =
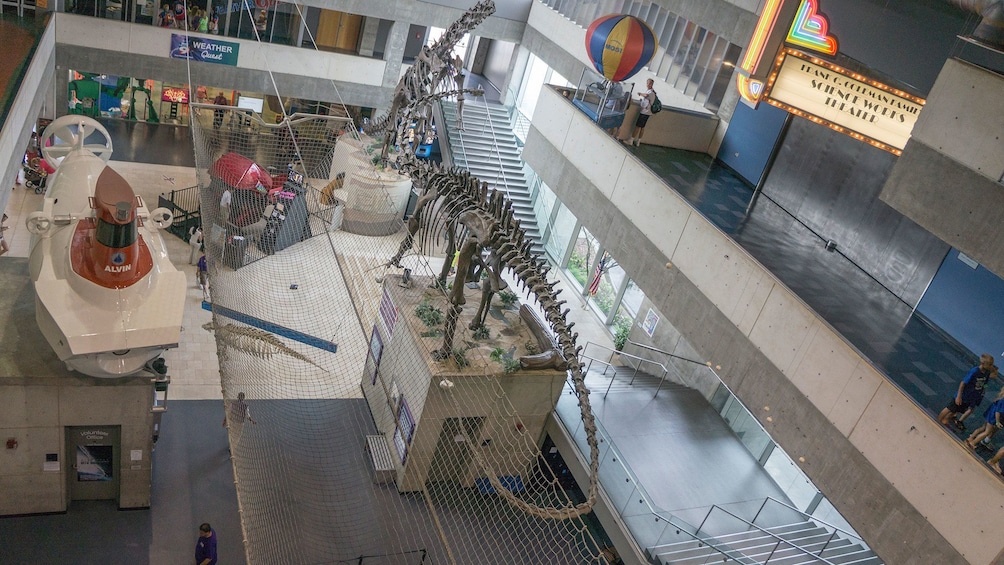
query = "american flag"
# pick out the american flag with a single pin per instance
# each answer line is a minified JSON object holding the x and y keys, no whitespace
{"x":601,"y":266}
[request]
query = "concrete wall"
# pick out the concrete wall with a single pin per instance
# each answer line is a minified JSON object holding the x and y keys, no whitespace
{"x":498,"y":62}
{"x":908,"y":487}
{"x":669,"y":339}
{"x":479,"y":390}
{"x":39,"y":397}
{"x":948,"y":178}
{"x":35,"y":410}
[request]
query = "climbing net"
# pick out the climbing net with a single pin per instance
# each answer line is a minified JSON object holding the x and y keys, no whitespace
{"x":351,"y":441}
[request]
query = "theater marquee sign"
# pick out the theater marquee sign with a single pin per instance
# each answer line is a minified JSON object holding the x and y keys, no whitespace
{"x":843,"y":100}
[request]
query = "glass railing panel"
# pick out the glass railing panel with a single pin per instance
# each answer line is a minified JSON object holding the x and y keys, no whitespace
{"x":617,"y":483}
{"x":647,"y":529}
{"x":790,"y":478}
{"x":826,"y":512}
{"x":672,"y":532}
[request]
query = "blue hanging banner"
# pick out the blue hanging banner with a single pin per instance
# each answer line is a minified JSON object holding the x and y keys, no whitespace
{"x":204,"y":49}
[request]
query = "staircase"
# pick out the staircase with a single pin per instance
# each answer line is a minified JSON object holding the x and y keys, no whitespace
{"x":488,"y":148}
{"x":800,"y":543}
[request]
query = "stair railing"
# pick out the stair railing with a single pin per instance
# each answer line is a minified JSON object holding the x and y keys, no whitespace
{"x":614,"y":467}
{"x":490,"y":125}
{"x":519,"y":121}
{"x":533,"y":180}
{"x":609,"y":363}
{"x":766,"y":532}
{"x":813,"y":519}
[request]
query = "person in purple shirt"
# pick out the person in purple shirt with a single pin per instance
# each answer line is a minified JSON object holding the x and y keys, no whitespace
{"x":205,"y":548}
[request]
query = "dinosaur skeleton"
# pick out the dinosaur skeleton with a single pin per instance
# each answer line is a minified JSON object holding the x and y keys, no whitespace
{"x":434,"y":67}
{"x":480,"y":224}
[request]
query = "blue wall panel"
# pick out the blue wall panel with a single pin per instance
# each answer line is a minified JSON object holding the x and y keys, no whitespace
{"x":749,"y":139}
{"x":968,"y":304}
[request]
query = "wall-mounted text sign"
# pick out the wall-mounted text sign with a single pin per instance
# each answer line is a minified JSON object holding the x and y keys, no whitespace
{"x":844,"y":101}
{"x":204,"y":49}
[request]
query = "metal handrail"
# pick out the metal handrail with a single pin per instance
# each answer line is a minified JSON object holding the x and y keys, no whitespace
{"x":495,"y":144}
{"x":809,"y":516}
{"x":769,"y":533}
{"x":501,"y":179}
{"x":659,"y":513}
{"x":662,"y":379}
{"x":520,"y":122}
{"x":673,"y":355}
{"x":710,"y":541}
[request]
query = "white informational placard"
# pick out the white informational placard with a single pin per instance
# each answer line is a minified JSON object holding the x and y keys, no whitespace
{"x":650,"y":322}
{"x":135,"y":454}
{"x":250,"y":103}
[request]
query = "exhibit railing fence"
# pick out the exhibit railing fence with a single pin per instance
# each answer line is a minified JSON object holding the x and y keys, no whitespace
{"x":184,"y":204}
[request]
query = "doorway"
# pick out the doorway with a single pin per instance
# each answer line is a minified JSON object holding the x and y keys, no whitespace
{"x":452,"y":461}
{"x":93,"y":456}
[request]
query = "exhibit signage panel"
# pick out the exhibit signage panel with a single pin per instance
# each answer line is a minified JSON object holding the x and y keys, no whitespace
{"x":173,"y":94}
{"x":204,"y":49}
{"x":844,"y":101}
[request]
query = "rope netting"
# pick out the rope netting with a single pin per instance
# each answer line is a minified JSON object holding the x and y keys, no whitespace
{"x":352,"y":441}
{"x":304,"y":329}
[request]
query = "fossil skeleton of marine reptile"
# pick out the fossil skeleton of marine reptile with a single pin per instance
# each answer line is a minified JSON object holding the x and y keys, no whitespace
{"x":478,"y":222}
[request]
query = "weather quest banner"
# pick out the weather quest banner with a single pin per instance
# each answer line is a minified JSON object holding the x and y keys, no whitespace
{"x":203,"y":49}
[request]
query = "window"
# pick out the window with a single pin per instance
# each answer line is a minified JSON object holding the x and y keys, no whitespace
{"x":116,"y":236}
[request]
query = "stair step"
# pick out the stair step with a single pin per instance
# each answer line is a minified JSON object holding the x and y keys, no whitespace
{"x":506,"y":155}
{"x":761,"y":546}
{"x":799,"y":558}
{"x":475,"y":135}
{"x":750,"y":543}
{"x":485,"y":165}
{"x":469,"y":146}
{"x":489,"y":150}
{"x":860,"y":557}
{"x":499,"y":113}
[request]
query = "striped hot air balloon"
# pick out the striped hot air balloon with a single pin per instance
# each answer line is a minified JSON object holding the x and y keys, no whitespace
{"x":620,"y":45}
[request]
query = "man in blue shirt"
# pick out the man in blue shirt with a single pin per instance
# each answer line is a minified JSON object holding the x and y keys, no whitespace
{"x":205,"y":548}
{"x":970,"y":392}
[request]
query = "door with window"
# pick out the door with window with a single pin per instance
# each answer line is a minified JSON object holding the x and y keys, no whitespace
{"x":93,"y":456}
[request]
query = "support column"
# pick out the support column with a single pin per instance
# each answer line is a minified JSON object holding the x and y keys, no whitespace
{"x":59,"y":92}
{"x":368,"y":37}
{"x":394,"y":53}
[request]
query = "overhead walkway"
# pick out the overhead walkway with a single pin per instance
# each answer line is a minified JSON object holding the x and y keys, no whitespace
{"x":20,"y":39}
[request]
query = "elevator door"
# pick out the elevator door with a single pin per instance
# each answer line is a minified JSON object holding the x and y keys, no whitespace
{"x":92,"y":453}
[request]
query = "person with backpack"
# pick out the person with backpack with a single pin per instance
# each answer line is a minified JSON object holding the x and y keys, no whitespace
{"x":647,"y":101}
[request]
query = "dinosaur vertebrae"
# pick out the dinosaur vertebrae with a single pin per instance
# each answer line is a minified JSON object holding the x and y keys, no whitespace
{"x":255,"y":342}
